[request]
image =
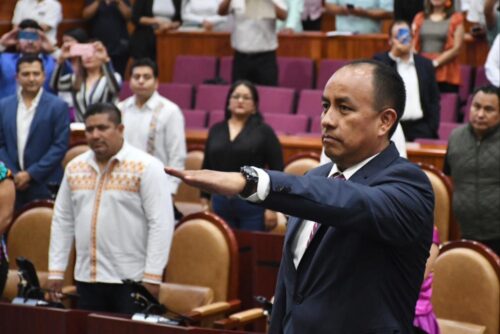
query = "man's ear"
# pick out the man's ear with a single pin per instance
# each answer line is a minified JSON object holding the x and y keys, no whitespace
{"x":387,"y":119}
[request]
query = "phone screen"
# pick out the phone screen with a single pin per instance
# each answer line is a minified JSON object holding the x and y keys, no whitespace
{"x":350,"y":6}
{"x":404,"y":36}
{"x":83,"y":50}
{"x":28,"y":35}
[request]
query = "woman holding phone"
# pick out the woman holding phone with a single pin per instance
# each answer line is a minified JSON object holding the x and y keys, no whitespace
{"x":438,"y":35}
{"x":93,"y":79}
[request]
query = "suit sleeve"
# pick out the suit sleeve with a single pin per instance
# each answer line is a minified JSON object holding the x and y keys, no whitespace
{"x":394,"y":210}
{"x":4,"y":155}
{"x":60,"y":139}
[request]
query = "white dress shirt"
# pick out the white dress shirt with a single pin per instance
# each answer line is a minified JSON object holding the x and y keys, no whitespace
{"x":408,"y":72}
{"x":163,"y":8}
{"x":156,"y":128}
{"x":47,"y":12}
{"x":24,"y":118}
{"x":492,"y":65}
{"x":121,"y":219}
{"x":302,"y":236}
{"x":198,"y":11}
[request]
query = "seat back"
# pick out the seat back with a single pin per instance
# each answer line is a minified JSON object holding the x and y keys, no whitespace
{"x":276,"y":100}
{"x":185,"y":193}
{"x":215,"y":116}
{"x":287,"y":124}
{"x":73,"y":152}
{"x":226,"y":68}
{"x":195,"y":119}
{"x":481,"y":79}
{"x":310,"y":102}
{"x":443,"y":216}
{"x":194,"y":69}
{"x":326,"y":68}
{"x":295,"y":72}
{"x":446,"y":128}
{"x":204,"y":253}
{"x":29,"y":236}
{"x":125,"y":91}
{"x":179,"y":93}
{"x":465,"y":82}
{"x":301,"y":163}
{"x":211,"y":97}
{"x":466,"y":284}
{"x":449,"y":105}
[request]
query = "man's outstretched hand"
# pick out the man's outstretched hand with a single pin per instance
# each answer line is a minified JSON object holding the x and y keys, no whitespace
{"x":222,"y":183}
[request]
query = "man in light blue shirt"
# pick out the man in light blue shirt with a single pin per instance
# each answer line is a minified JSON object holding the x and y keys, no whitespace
{"x":360,"y":16}
{"x":293,"y":22}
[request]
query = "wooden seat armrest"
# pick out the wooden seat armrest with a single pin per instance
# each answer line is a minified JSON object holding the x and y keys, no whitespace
{"x":458,"y":327}
{"x":240,"y":319}
{"x":214,"y":310}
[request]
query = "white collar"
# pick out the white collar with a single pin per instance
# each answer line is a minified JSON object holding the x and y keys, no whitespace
{"x":351,"y":170}
{"x":410,"y":61}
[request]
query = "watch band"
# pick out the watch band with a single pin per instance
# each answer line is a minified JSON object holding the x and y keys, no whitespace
{"x":252,"y":179}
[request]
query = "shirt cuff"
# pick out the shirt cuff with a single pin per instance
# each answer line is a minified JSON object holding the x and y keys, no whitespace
{"x":263,"y":187}
{"x":53,"y":274}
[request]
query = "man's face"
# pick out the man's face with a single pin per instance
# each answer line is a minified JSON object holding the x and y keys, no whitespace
{"x":30,"y":46}
{"x":352,"y":129}
{"x":31,"y":77}
{"x":143,"y":82}
{"x":400,"y":40}
{"x":104,"y":137}
{"x":484,"y":112}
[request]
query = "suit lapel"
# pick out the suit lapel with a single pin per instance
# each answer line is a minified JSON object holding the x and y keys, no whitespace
{"x":38,"y":115}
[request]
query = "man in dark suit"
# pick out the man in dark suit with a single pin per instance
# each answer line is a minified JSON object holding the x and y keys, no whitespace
{"x":34,"y":133}
{"x":354,"y":261}
{"x":421,"y":115}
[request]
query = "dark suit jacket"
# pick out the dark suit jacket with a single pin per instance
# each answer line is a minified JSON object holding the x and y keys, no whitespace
{"x":429,"y":97}
{"x":47,"y":143}
{"x":363,"y":270}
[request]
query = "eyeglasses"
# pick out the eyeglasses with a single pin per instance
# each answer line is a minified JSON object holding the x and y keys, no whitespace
{"x":244,"y":97}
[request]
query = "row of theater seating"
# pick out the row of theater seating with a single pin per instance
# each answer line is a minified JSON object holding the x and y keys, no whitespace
{"x":297,"y":73}
{"x":285,"y":110}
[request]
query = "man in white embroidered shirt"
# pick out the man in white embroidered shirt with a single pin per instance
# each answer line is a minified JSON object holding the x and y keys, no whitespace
{"x":115,"y":201}
{"x":153,"y":123}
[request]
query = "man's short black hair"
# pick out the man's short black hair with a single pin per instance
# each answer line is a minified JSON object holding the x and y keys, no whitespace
{"x":28,"y":58}
{"x":388,"y":88}
{"x":488,"y":89}
{"x":113,"y":112}
{"x":145,"y":62}
{"x":29,"y":23}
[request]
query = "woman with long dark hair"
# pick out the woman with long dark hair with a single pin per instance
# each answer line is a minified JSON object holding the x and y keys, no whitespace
{"x":241,"y":139}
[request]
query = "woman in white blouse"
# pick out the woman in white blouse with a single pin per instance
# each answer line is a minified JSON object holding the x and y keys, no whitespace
{"x":202,"y":14}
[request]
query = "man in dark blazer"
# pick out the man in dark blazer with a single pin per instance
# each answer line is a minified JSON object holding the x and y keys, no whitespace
{"x":421,"y":116}
{"x":361,"y":228}
{"x":34,"y":133}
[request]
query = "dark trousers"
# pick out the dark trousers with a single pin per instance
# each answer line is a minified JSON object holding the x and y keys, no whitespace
{"x":445,"y":87}
{"x":312,"y":25}
{"x":4,"y":269}
{"x":238,"y":213}
{"x":414,"y":129}
{"x":259,"y":68}
{"x":105,"y":297}
{"x":120,"y":63}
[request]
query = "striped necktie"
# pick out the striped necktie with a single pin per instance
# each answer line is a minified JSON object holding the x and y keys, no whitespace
{"x":316,"y":226}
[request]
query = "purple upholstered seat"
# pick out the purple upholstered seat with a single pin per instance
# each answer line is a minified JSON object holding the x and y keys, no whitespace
{"x":309,"y":102}
{"x":180,"y":94}
{"x":226,"y":68}
{"x":326,"y":68}
{"x":194,"y":69}
{"x":287,"y":124}
{"x":195,"y":119}
{"x":445,"y":129}
{"x":215,"y":116}
{"x":316,"y":124}
{"x":465,"y":82}
{"x":125,"y":91}
{"x":466,"y":109}
{"x":481,"y":79}
{"x":211,"y":97}
{"x":295,"y":72}
{"x":276,"y":100}
{"x":449,"y":104}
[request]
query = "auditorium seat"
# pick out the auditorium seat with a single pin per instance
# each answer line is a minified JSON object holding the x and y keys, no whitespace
{"x":446,"y":128}
{"x":194,"y":69}
{"x":211,"y":97}
{"x":226,"y":68}
{"x":465,"y":82}
{"x":456,"y":327}
{"x":215,"y":116}
{"x":287,"y":124}
{"x":276,"y":100}
{"x":301,"y":163}
{"x":466,"y":286}
{"x":316,"y":124}
{"x":309,"y":103}
{"x":480,"y":78}
{"x":466,"y":109}
{"x":205,"y":253}
{"x":195,"y":119}
{"x":73,"y":152}
{"x":296,"y":73}
{"x":449,"y":104}
{"x":326,"y":68}
{"x":180,"y":94}
{"x":443,"y":214}
{"x":125,"y":91}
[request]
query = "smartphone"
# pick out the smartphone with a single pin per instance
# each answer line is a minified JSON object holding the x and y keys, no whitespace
{"x":350,"y":6}
{"x":28,"y":35}
{"x":404,"y":36}
{"x":81,"y":50}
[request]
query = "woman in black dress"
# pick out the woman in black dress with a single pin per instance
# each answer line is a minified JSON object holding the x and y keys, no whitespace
{"x":242,"y":139}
